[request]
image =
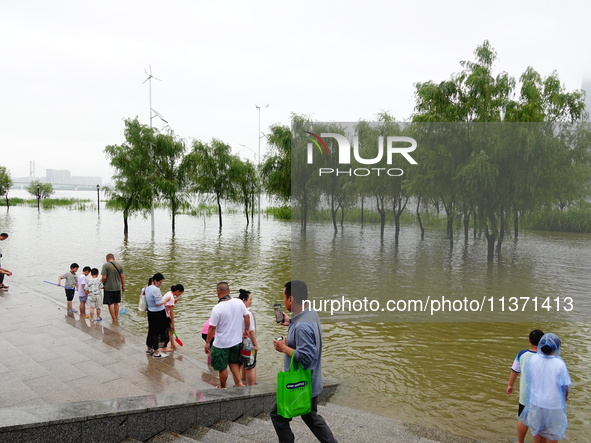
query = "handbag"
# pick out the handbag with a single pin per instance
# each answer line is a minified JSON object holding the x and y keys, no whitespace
{"x":142,"y":304}
{"x":294,"y":390}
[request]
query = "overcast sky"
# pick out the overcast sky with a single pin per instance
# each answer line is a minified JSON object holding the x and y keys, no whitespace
{"x":72,"y":71}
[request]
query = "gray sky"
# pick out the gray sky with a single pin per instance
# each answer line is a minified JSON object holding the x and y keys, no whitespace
{"x":72,"y":71}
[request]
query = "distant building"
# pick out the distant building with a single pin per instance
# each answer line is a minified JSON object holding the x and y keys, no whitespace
{"x":58,"y":176}
{"x":60,"y":179}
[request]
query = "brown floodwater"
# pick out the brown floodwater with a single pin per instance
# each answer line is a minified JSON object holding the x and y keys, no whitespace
{"x":445,"y":370}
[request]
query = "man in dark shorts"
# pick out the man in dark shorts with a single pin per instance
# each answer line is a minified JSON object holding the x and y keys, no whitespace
{"x":228,"y":320}
{"x":113,"y":280}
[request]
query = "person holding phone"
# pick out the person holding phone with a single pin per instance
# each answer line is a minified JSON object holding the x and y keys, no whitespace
{"x":304,"y":337}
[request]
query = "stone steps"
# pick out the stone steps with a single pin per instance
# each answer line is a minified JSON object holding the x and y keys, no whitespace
{"x":348,"y":426}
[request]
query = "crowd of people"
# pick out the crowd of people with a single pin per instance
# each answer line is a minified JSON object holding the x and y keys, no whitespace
{"x":95,"y":290}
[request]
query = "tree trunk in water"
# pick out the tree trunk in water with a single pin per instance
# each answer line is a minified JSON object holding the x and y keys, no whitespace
{"x":362,"y":202}
{"x":419,"y":219}
{"x":382,"y":221}
{"x":490,"y":239}
{"x":382,"y":212}
{"x":516,"y":225}
{"x":466,"y":225}
{"x":219,"y":211}
{"x":125,"y":226}
{"x":450,"y":229}
{"x":501,"y":232}
{"x":7,"y":202}
{"x":333,"y":215}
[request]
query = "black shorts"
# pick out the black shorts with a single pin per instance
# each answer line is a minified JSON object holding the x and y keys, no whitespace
{"x":205,"y":338}
{"x":112,"y":297}
{"x":69,"y":294}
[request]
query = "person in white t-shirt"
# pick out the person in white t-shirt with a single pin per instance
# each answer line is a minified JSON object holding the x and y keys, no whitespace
{"x":228,"y":320}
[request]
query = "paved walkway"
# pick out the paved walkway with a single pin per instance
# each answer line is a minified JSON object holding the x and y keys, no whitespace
{"x":51,"y":356}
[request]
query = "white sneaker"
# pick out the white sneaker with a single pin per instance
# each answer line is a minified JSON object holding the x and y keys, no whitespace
{"x":161,"y":355}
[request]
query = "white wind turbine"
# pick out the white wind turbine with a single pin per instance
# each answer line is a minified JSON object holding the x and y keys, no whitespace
{"x":153,"y":112}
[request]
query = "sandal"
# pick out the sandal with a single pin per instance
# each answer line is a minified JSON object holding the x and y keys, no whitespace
{"x":73,"y":311}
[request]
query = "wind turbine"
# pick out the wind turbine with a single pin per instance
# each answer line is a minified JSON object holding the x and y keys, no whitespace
{"x":153,"y":112}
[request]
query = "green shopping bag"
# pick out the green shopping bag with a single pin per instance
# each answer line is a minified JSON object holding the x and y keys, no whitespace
{"x":294,"y":390}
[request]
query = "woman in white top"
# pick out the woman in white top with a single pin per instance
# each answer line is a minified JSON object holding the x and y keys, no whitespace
{"x":157,"y":319}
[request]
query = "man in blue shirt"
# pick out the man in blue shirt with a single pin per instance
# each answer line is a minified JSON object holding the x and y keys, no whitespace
{"x":304,"y":337}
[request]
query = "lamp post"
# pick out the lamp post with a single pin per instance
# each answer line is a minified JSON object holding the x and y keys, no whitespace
{"x":256,"y":156}
{"x":259,"y":196}
{"x":98,"y":199}
{"x":38,"y":195}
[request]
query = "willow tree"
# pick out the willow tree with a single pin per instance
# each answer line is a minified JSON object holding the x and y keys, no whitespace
{"x":210,"y":170}
{"x":276,"y":166}
{"x":5,"y":183}
{"x":516,"y":174}
{"x":246,"y":184}
{"x":133,"y":162}
{"x":169,"y":175}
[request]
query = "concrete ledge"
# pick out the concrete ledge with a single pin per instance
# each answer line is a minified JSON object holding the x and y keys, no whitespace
{"x":139,"y":418}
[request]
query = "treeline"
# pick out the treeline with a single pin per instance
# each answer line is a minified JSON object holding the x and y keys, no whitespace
{"x":484,"y":157}
{"x":487,"y":154}
{"x":154,"y":167}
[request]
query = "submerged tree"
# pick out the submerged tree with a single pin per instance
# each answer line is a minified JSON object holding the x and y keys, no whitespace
{"x":169,"y":174}
{"x":276,"y":166}
{"x":40,"y":190}
{"x":470,"y":166}
{"x":5,"y":183}
{"x":210,"y":171}
{"x":133,"y":161}
{"x":246,"y":185}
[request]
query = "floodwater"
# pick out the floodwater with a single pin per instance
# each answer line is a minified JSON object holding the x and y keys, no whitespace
{"x":446,"y":370}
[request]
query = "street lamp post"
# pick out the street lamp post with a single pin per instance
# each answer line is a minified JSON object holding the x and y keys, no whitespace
{"x":259,"y":156}
{"x":98,"y":199}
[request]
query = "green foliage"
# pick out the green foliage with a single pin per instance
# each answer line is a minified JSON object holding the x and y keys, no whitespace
{"x":133,"y":161}
{"x":280,"y":212}
{"x":169,"y":177}
{"x":276,"y":167}
{"x":40,"y":190}
{"x":211,"y":170}
{"x":5,"y":180}
{"x":574,"y":219}
{"x":499,"y":172}
{"x":246,"y":183}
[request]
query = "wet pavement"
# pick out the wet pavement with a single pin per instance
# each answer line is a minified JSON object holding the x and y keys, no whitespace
{"x":52,"y":356}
